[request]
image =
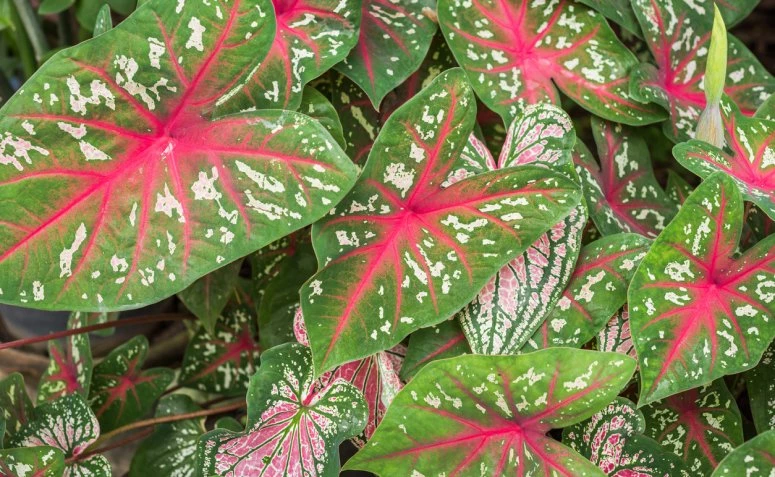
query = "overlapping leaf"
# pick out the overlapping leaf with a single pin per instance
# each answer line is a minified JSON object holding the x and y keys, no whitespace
{"x":475,"y":415}
{"x":70,"y":365}
{"x":293,"y":428}
{"x":121,"y":392}
{"x":143,"y":192}
{"x":41,"y":461}
{"x":757,"y":457}
{"x":315,"y":105}
{"x":207,"y":297}
{"x":597,"y":289}
{"x":677,"y":188}
{"x":749,"y":156}
{"x":445,"y":340}
{"x":622,"y":192}
{"x":15,"y":405}
{"x":760,"y":382}
{"x":700,"y":426}
{"x":613,"y":440}
{"x":616,"y":336}
{"x":515,"y":53}
{"x":696,"y":312}
{"x":678,"y":34}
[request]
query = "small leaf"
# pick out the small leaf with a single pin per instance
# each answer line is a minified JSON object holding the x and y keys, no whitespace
{"x":618,"y":11}
{"x":293,"y":428}
{"x":445,"y":340}
{"x":757,"y":457}
{"x":15,"y":404}
{"x":696,"y":312}
{"x":120,"y":392}
{"x":700,"y":426}
{"x":616,"y":337}
{"x":760,"y":382}
{"x":49,"y":7}
{"x":490,"y":414}
{"x":70,"y":365}
{"x":207,"y":297}
{"x":677,"y":188}
{"x":41,"y":461}
{"x":104,"y":21}
{"x":316,"y":106}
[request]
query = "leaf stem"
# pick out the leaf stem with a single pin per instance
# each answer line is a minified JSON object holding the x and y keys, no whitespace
{"x":101,"y":326}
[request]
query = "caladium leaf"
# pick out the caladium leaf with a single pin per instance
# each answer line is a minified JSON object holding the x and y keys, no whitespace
{"x":445,"y":340}
{"x":170,"y":451}
{"x":619,"y":12}
{"x":614,"y":440}
{"x":151,"y":193}
{"x":489,"y":415}
{"x":757,"y":457}
{"x":760,"y":382}
{"x":622,"y":192}
{"x":15,"y":405}
{"x":749,"y":157}
{"x":67,"y":424}
{"x":696,"y":313}
{"x":224,"y":361}
{"x":677,"y":188}
{"x":293,"y":427}
{"x":312,"y":36}
{"x":700,"y":426}
{"x":70,"y":365}
{"x":315,"y":105}
{"x":394,"y":38}
{"x":207,"y":297}
{"x":678,"y":34}
{"x":616,"y":336}
{"x":121,"y":392}
{"x":597,"y":289}
{"x":518,"y":298}
{"x":41,"y":461}
{"x":514,"y":55}
{"x":402,"y":251}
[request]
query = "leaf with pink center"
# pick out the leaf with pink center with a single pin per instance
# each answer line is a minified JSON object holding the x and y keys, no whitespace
{"x":622,"y":192}
{"x":515,"y":54}
{"x":40,"y":461}
{"x":697,"y":311}
{"x":614,"y":440}
{"x":144,"y":191}
{"x":403,"y":251}
{"x":70,"y":365}
{"x":223,"y":361}
{"x":678,"y":34}
{"x":445,"y":340}
{"x":597,"y":289}
{"x":478,"y":414}
{"x":207,"y":297}
{"x":756,"y":456}
{"x":760,"y":383}
{"x":700,"y":426}
{"x":749,"y":156}
{"x":15,"y":405}
{"x":616,"y":336}
{"x":121,"y":392}
{"x":293,"y":428}
{"x":518,"y":298}
{"x":393,"y":40}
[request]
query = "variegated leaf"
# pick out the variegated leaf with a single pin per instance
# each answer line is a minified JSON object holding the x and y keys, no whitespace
{"x":756,"y":457}
{"x":616,"y":337}
{"x":70,"y":365}
{"x":15,"y":405}
{"x":760,"y":382}
{"x":445,"y":340}
{"x":677,"y":188}
{"x":40,"y":461}
{"x":315,"y":105}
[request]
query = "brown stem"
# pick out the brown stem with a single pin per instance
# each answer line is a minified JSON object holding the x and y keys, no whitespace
{"x":127,"y":440}
{"x":88,"y":329}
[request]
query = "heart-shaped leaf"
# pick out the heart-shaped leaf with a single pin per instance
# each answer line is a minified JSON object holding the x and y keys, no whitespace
{"x":394,"y":38}
{"x":618,"y":11}
{"x":120,"y":392}
{"x":518,"y":298}
{"x":515,"y":53}
{"x":613,"y":439}
{"x":207,"y":297}
{"x":622,"y":192}
{"x":760,"y":382}
{"x":403,"y":252}
{"x":293,"y":427}
{"x":41,"y":461}
{"x":616,"y":337}
{"x":489,"y":415}
{"x":15,"y":405}
{"x":597,"y":289}
{"x":70,"y":365}
{"x":749,"y":157}
{"x":678,"y":34}
{"x":170,"y":450}
{"x":700,"y":426}
{"x":696,"y":313}
{"x":445,"y":340}
{"x":757,"y":457}
{"x":224,"y":361}
{"x":115,"y":171}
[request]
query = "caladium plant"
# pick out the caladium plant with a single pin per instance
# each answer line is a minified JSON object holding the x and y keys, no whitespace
{"x":299,"y":236}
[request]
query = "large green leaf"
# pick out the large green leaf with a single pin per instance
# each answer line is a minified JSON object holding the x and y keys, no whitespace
{"x":757,"y":457}
{"x":760,"y":382}
{"x":698,"y":313}
{"x":403,"y":251}
{"x":294,"y":427}
{"x":490,"y":415}
{"x":515,"y":53}
{"x":40,"y":461}
{"x":70,"y":364}
{"x":121,"y":188}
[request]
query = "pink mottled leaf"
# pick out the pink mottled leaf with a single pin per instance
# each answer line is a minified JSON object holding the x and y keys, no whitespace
{"x":616,"y":336}
{"x":474,"y":415}
{"x":697,"y":312}
{"x":121,"y":392}
{"x":756,"y":456}
{"x":515,"y":54}
{"x":293,"y":426}
{"x":124,"y":188}
{"x":700,"y":426}
{"x":622,"y":192}
{"x":614,"y":440}
{"x":749,"y":156}
{"x":40,"y":461}
{"x":70,"y":365}
{"x":678,"y":34}
{"x":403,"y":251}
{"x":445,"y":340}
